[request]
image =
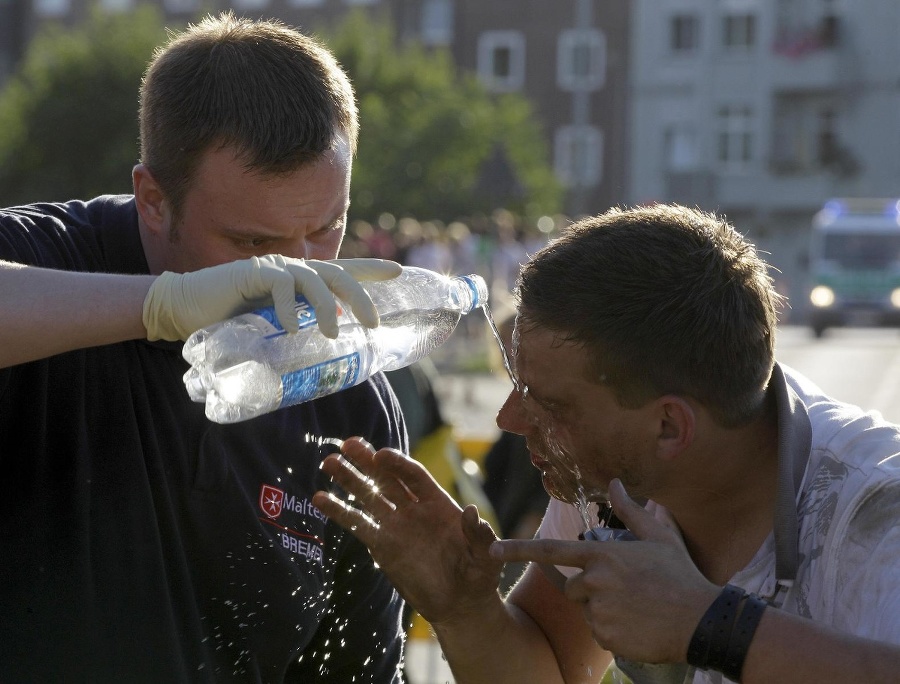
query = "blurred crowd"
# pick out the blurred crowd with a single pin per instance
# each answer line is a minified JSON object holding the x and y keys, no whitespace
{"x":493,"y":247}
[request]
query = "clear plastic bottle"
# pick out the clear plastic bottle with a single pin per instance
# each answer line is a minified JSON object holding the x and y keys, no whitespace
{"x":248,"y":365}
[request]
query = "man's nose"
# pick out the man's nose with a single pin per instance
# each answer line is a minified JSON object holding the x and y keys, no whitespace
{"x":512,"y":417}
{"x":298,"y":249}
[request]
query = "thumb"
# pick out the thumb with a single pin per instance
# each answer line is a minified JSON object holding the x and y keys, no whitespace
{"x":636,"y":518}
{"x":477,"y":531}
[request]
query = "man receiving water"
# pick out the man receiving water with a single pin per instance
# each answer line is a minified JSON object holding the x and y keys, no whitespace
{"x":644,"y":360}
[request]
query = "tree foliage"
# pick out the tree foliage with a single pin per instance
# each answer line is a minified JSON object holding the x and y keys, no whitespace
{"x":428,"y":135}
{"x":68,"y":116}
{"x":433,"y":143}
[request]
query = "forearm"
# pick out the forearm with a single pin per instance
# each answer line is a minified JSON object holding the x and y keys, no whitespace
{"x":789,"y":648}
{"x":46,"y":312}
{"x":544,"y":633}
{"x":501,"y":644}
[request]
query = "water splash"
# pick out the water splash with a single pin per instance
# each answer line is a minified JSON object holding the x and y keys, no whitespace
{"x":504,"y":353}
{"x":565,"y":473}
{"x":321,"y":441}
{"x":583,"y":506}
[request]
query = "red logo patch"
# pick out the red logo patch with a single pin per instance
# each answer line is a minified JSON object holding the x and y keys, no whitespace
{"x":270,"y":500}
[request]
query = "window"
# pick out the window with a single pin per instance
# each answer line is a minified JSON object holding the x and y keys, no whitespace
{"x":735,"y":136}
{"x":581,"y":59}
{"x":578,"y":156}
{"x":437,"y":22}
{"x":739,"y":31}
{"x":52,"y":8}
{"x":684,"y":33}
{"x":804,"y":135}
{"x":681,"y":154}
{"x":804,"y":26}
{"x":501,"y":60}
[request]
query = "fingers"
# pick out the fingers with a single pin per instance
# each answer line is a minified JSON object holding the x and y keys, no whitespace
{"x":359,"y":523}
{"x":637,"y":518}
{"x":283,"y":279}
{"x":382,"y":481}
{"x":387,"y":482}
{"x":320,"y":282}
{"x":390,"y":465}
{"x":306,"y":279}
{"x":360,"y":487}
{"x":359,"y":451}
{"x":342,"y":277}
{"x":575,"y":590}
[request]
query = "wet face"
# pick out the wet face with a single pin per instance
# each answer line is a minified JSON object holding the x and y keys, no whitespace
{"x":577,"y":434}
{"x":231,"y":213}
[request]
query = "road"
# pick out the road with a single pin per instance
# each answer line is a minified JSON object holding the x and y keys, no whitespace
{"x":860,"y":366}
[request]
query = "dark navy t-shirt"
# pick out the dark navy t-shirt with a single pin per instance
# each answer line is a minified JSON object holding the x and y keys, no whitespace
{"x":141,"y":542}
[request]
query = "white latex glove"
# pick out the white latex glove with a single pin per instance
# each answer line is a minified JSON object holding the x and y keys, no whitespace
{"x":177,"y":304}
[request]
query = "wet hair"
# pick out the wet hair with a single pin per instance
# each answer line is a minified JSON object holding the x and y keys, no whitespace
{"x":665,"y":300}
{"x":276,"y":96}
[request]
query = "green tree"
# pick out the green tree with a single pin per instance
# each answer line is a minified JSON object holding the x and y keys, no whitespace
{"x":68,"y":117}
{"x":432,"y":142}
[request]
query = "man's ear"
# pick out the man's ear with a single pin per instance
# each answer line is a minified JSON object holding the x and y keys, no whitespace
{"x":151,"y":204}
{"x":677,"y":424}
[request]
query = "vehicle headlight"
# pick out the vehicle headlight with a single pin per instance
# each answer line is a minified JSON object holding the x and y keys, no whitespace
{"x":895,"y":298}
{"x":822,"y":296}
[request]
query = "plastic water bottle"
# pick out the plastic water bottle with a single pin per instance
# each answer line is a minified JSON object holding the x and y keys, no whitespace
{"x":248,"y":365}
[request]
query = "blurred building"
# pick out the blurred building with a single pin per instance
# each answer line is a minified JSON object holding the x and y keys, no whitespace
{"x":568,"y":57}
{"x":763,"y":109}
{"x":12,"y":35}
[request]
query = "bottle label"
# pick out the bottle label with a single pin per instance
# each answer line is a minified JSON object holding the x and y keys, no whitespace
{"x":319,"y":380}
{"x":306,"y":316}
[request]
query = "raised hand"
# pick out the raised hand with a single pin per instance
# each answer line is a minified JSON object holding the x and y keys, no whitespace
{"x":435,"y":554}
{"x":642,"y":599}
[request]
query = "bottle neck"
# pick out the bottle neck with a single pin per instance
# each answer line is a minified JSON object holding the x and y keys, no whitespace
{"x":470,"y":292}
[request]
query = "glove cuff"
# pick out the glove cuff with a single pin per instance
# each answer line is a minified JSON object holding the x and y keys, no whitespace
{"x":157,"y":311}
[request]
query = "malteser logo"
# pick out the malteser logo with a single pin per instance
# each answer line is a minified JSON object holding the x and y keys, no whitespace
{"x":271,"y":501}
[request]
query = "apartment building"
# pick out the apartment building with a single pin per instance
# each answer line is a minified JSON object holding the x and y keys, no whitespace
{"x":763,"y":109}
{"x":570,"y":58}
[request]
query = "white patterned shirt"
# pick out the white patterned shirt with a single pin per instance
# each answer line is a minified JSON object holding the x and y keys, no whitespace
{"x":848,"y":511}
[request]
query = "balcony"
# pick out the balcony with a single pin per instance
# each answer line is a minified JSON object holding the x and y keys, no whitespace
{"x":809,"y":58}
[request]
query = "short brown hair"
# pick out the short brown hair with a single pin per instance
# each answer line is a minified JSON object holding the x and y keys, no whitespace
{"x":666,"y":299}
{"x":275,"y":95}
